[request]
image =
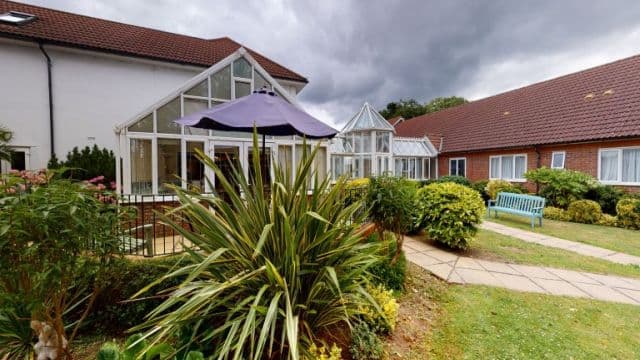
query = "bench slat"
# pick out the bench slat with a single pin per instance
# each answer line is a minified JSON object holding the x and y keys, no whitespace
{"x":519,"y":204}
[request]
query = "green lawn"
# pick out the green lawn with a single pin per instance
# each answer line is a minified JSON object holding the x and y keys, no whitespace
{"x":608,"y":237}
{"x":478,"y":322}
{"x":494,"y":246}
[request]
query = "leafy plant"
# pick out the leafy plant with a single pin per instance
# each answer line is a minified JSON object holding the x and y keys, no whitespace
{"x":88,"y":163}
{"x":584,"y":211}
{"x":496,"y":186}
{"x":454,"y":179}
{"x":450,"y":213}
{"x":382,"y":315}
{"x":628,"y":210}
{"x":321,"y":353}
{"x":272,"y":270}
{"x":561,"y":187}
{"x":608,"y":220}
{"x":365,"y":344}
{"x":138,"y":348}
{"x":481,"y":187}
{"x":5,"y":151}
{"x":16,"y":336}
{"x":605,"y":195}
{"x":391,"y":203}
{"x":554,"y":213}
{"x":389,"y":274}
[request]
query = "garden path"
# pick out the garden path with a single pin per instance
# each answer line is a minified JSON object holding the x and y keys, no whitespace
{"x":465,"y":270}
{"x":577,"y":247}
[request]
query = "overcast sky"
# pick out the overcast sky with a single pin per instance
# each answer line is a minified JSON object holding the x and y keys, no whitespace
{"x":381,"y":51}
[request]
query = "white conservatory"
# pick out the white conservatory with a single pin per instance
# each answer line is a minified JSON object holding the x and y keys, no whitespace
{"x":367,"y":146}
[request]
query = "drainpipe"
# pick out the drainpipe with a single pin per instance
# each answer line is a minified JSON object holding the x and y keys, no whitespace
{"x":48,"y":58}
{"x":538,"y":165}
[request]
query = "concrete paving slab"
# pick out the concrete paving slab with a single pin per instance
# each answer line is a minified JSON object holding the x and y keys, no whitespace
{"x":479,"y":277}
{"x":518,"y":283}
{"x":624,"y":259}
{"x":572,"y":276}
{"x":422,"y":259}
{"x":608,"y":280}
{"x":497,"y":267}
{"x":601,"y":292}
{"x":455,"y":278}
{"x":560,"y":287}
{"x":443,"y":256}
{"x":634,"y":294}
{"x":468,"y":263}
{"x":440,"y":270}
{"x":535,"y":272}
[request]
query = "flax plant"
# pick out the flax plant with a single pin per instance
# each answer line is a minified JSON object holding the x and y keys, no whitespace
{"x":272,"y":269}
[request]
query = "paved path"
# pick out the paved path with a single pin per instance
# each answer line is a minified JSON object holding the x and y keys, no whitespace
{"x":577,"y":247}
{"x":465,"y":270}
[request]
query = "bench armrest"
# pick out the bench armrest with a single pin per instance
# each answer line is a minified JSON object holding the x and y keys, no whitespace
{"x":490,"y":202}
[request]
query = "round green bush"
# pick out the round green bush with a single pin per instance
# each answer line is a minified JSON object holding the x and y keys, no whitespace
{"x":481,"y":187}
{"x":607,"y":196}
{"x":455,"y":179}
{"x":450,"y":213}
{"x":628,"y":211}
{"x":584,"y":211}
{"x":496,"y":186}
{"x":554,"y":213}
{"x":608,"y":220}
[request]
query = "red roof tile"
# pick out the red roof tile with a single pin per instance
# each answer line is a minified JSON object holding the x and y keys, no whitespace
{"x":559,"y":110}
{"x":68,"y":29}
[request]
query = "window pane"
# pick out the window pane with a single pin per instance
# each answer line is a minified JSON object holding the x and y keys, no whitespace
{"x":495,"y":168}
{"x":453,"y":167}
{"x":557,"y":160}
{"x":520,"y":167}
{"x":507,"y":167}
{"x":143,"y":125}
{"x":18,"y":160}
{"x":405,"y":167}
{"x":242,"y":89}
{"x":191,"y":106}
{"x":202,"y":89}
{"x":285,"y":158}
{"x":609,"y":165}
{"x":140,"y":158}
{"x":348,"y":166}
{"x":169,"y":164}
{"x":366,"y":143}
{"x":166,"y":116}
{"x":366,"y":163}
{"x":398,"y":167}
{"x":337,"y":166}
{"x":227,"y":159}
{"x":631,"y":165}
{"x":221,"y":84}
{"x":259,"y":81}
{"x":320,"y":163}
{"x":418,"y":169}
{"x":462,"y":167}
{"x":195,"y":168}
{"x":412,"y":168}
{"x":242,"y":68}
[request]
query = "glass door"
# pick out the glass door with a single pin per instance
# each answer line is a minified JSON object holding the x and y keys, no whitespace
{"x":227,"y":157}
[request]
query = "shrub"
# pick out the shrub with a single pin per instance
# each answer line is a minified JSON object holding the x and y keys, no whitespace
{"x":450,"y":213}
{"x":383,"y":315}
{"x":391,"y":203}
{"x":273,"y":269}
{"x":455,"y":179}
{"x":561,"y":187}
{"x":138,"y":348}
{"x":481,"y":187}
{"x":496,"y":186}
{"x":605,"y":195}
{"x":87,"y":163}
{"x":391,"y":275}
{"x":584,"y":211}
{"x":321,"y":353}
{"x":608,"y":220}
{"x":628,"y":210}
{"x":357,"y":183}
{"x":365,"y":344}
{"x":554,"y":213}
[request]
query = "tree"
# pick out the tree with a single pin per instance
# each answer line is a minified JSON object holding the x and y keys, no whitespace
{"x":87,"y":163}
{"x":441,"y":103}
{"x":5,"y":138}
{"x":410,"y":108}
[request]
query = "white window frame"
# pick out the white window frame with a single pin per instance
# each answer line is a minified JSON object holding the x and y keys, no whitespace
{"x":512,"y":178}
{"x":458,"y":159}
{"x":5,"y":166}
{"x":619,"y":177}
{"x":564,"y":158}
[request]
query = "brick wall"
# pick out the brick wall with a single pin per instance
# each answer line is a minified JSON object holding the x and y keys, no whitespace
{"x":581,"y":157}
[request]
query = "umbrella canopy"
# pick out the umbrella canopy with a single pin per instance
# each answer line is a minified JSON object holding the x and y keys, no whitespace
{"x":270,"y":114}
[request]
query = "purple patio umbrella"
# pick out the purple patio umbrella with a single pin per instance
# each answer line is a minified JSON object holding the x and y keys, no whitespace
{"x":269,"y":113}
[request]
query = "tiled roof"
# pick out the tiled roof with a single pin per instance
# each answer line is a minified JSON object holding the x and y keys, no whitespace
{"x":68,"y":29}
{"x":595,"y":104}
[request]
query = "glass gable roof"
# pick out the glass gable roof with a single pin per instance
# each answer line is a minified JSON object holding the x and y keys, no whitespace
{"x":367,"y":119}
{"x":412,"y":147}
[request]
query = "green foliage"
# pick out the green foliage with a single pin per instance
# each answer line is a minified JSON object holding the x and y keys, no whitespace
{"x":605,"y":195}
{"x":391,"y":206}
{"x":554,"y":213}
{"x":450,"y":213}
{"x":88,"y":163}
{"x":561,"y":187}
{"x":47,"y":226}
{"x":496,"y":186}
{"x":272,"y":270}
{"x":584,"y":211}
{"x":138,"y":348}
{"x":5,"y":151}
{"x":410,"y":108}
{"x":628,"y":210}
{"x":16,"y":336}
{"x":365,"y":344}
{"x":386,"y":272}
{"x":608,"y":220}
{"x":321,"y":353}
{"x":109,"y":351}
{"x":454,"y":179}
{"x":382,"y":314}
{"x":481,"y":187}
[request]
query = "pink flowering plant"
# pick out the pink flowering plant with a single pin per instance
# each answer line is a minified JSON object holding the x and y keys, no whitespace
{"x":51,"y":230}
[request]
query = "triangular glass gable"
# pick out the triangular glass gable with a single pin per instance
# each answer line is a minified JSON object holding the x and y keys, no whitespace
{"x":367,"y":119}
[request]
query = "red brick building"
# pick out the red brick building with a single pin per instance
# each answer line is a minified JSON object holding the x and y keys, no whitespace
{"x":587,"y":121}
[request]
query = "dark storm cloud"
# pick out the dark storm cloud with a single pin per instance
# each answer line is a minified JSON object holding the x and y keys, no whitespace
{"x":380,"y":51}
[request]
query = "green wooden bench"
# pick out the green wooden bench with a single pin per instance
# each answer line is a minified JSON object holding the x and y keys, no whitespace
{"x":518,"y":204}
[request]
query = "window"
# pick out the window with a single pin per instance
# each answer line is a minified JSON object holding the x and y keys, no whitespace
{"x":169,"y":164}
{"x":620,"y":166}
{"x":166,"y":116}
{"x":242,"y":68}
{"x":557,"y":160}
{"x":140,"y":158}
{"x":195,"y":168}
{"x":16,"y":17}
{"x":259,"y":81}
{"x":382,"y":142}
{"x":458,"y":166}
{"x":242,"y":89}
{"x":221,"y":84}
{"x":508,"y":167}
{"x":144,"y":125}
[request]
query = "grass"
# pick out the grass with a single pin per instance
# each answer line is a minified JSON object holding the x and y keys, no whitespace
{"x":478,"y":322}
{"x":608,"y":237}
{"x":493,"y":246}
